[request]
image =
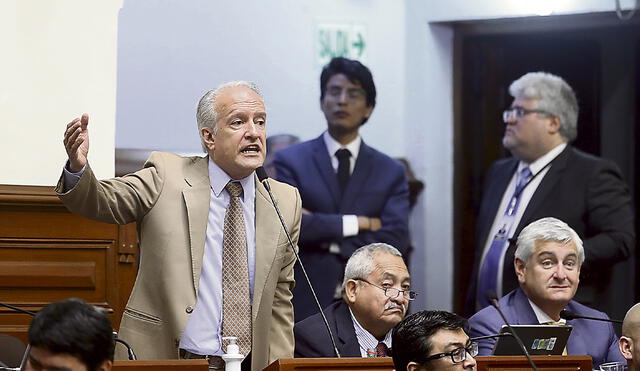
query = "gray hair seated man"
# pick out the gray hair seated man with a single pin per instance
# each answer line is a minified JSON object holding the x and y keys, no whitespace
{"x":433,"y":340}
{"x":629,"y":342}
{"x":547,"y":261}
{"x":375,"y":296}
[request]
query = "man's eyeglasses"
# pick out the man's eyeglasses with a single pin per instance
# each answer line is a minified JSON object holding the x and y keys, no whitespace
{"x":457,"y":355}
{"x":353,"y":94}
{"x":517,"y":112}
{"x":392,"y":292}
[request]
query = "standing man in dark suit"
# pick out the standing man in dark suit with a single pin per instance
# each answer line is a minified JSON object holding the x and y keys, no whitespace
{"x":548,"y":261}
{"x":375,"y":297}
{"x":548,"y":177}
{"x":352,"y":195}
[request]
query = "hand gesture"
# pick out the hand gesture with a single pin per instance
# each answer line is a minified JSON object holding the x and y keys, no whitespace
{"x":76,"y":142}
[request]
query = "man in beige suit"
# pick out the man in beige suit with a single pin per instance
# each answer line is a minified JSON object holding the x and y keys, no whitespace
{"x":179,"y":203}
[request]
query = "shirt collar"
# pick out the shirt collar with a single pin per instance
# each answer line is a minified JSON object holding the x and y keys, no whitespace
{"x":542,"y":316}
{"x":366,"y":337}
{"x":333,"y":145}
{"x":218,"y":179}
{"x":540,"y":163}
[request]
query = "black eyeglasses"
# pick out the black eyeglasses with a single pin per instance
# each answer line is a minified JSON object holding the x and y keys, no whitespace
{"x":392,"y":292}
{"x":518,"y":112}
{"x":457,"y":355}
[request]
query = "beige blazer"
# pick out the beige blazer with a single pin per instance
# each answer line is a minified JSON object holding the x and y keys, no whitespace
{"x":169,"y":198}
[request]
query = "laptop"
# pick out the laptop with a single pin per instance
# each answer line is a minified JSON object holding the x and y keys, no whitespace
{"x":538,"y":339}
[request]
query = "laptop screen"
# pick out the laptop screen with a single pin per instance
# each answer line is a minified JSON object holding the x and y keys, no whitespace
{"x":538,"y":339}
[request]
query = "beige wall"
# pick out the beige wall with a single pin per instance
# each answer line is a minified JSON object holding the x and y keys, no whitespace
{"x":58,"y":59}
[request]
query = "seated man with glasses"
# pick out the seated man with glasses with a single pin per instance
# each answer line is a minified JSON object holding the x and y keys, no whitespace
{"x":375,"y":296}
{"x":433,"y":340}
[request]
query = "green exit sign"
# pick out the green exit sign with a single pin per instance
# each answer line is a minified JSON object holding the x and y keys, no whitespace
{"x":340,"y":40}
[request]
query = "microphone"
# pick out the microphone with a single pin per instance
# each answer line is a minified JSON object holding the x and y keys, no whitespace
{"x":263,"y":178}
{"x":491,"y":336}
{"x":130,"y":352}
{"x":493,"y":299}
{"x":17,"y":309}
{"x":567,"y":314}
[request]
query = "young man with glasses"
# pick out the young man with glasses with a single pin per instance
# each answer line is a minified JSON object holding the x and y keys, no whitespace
{"x":352,"y":194}
{"x":375,"y":296}
{"x":547,"y":176}
{"x":433,"y":340}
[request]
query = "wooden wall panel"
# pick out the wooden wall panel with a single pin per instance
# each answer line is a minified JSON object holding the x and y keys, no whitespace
{"x":48,"y":254}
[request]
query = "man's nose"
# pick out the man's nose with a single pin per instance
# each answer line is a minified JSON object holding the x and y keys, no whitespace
{"x":560,"y":272}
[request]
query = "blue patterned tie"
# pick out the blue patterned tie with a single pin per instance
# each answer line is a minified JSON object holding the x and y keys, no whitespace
{"x":488,"y":277}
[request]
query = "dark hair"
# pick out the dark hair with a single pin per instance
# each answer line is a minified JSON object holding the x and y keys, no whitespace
{"x":355,"y":71}
{"x":75,"y":328}
{"x":411,"y":337}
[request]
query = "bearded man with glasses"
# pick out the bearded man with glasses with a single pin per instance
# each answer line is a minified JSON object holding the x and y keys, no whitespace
{"x":548,"y":177}
{"x":433,"y":340}
{"x":375,"y":296}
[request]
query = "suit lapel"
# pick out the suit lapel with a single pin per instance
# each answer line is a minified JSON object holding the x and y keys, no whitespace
{"x":523,"y":313}
{"x":322,"y":161}
{"x":196,"y":195}
{"x":546,"y":186}
{"x":360,"y":175}
{"x":268,"y":230}
{"x":345,"y":332}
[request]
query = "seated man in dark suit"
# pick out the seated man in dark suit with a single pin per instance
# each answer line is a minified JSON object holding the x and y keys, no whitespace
{"x":375,"y":296}
{"x":630,"y":340}
{"x":70,"y":335}
{"x":433,"y":340}
{"x":547,"y":262}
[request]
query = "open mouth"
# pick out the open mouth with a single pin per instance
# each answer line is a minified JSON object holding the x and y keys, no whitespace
{"x":251,"y":149}
{"x":341,"y":114}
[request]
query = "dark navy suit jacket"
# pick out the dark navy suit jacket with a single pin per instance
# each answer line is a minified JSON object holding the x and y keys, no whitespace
{"x":582,"y":190}
{"x":588,"y":337}
{"x":312,"y":338}
{"x":377,"y":188}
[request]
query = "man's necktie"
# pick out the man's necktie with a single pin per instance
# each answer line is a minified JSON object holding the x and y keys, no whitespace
{"x":382,"y":350}
{"x":344,"y":167}
{"x":564,"y":351}
{"x":236,"y":310}
{"x":488,"y":277}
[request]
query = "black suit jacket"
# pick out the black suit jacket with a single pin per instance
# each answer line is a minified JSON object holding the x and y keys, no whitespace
{"x":582,"y":190}
{"x":312,"y":338}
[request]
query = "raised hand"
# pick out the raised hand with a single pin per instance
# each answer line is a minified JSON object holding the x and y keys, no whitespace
{"x":76,"y":142}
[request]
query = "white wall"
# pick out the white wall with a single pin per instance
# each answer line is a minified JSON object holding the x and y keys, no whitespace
{"x":170,"y":53}
{"x":457,"y":10}
{"x":58,"y":60}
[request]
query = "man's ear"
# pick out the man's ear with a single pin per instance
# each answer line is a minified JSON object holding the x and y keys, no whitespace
{"x":106,"y":365}
{"x":412,"y":366}
{"x":351,"y":291}
{"x":520,"y":268}
{"x":208,"y":138}
{"x":626,"y":347}
{"x":554,"y":124}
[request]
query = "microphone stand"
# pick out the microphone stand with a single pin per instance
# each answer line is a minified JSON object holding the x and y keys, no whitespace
{"x":494,"y":302}
{"x":569,"y":315}
{"x":263,"y":178}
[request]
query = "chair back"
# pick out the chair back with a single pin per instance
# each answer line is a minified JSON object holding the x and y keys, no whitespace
{"x":11,"y":350}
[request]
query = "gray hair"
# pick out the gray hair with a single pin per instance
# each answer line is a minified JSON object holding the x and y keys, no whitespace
{"x":546,"y":230}
{"x":206,"y":114}
{"x":554,"y":95}
{"x":360,"y":264}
